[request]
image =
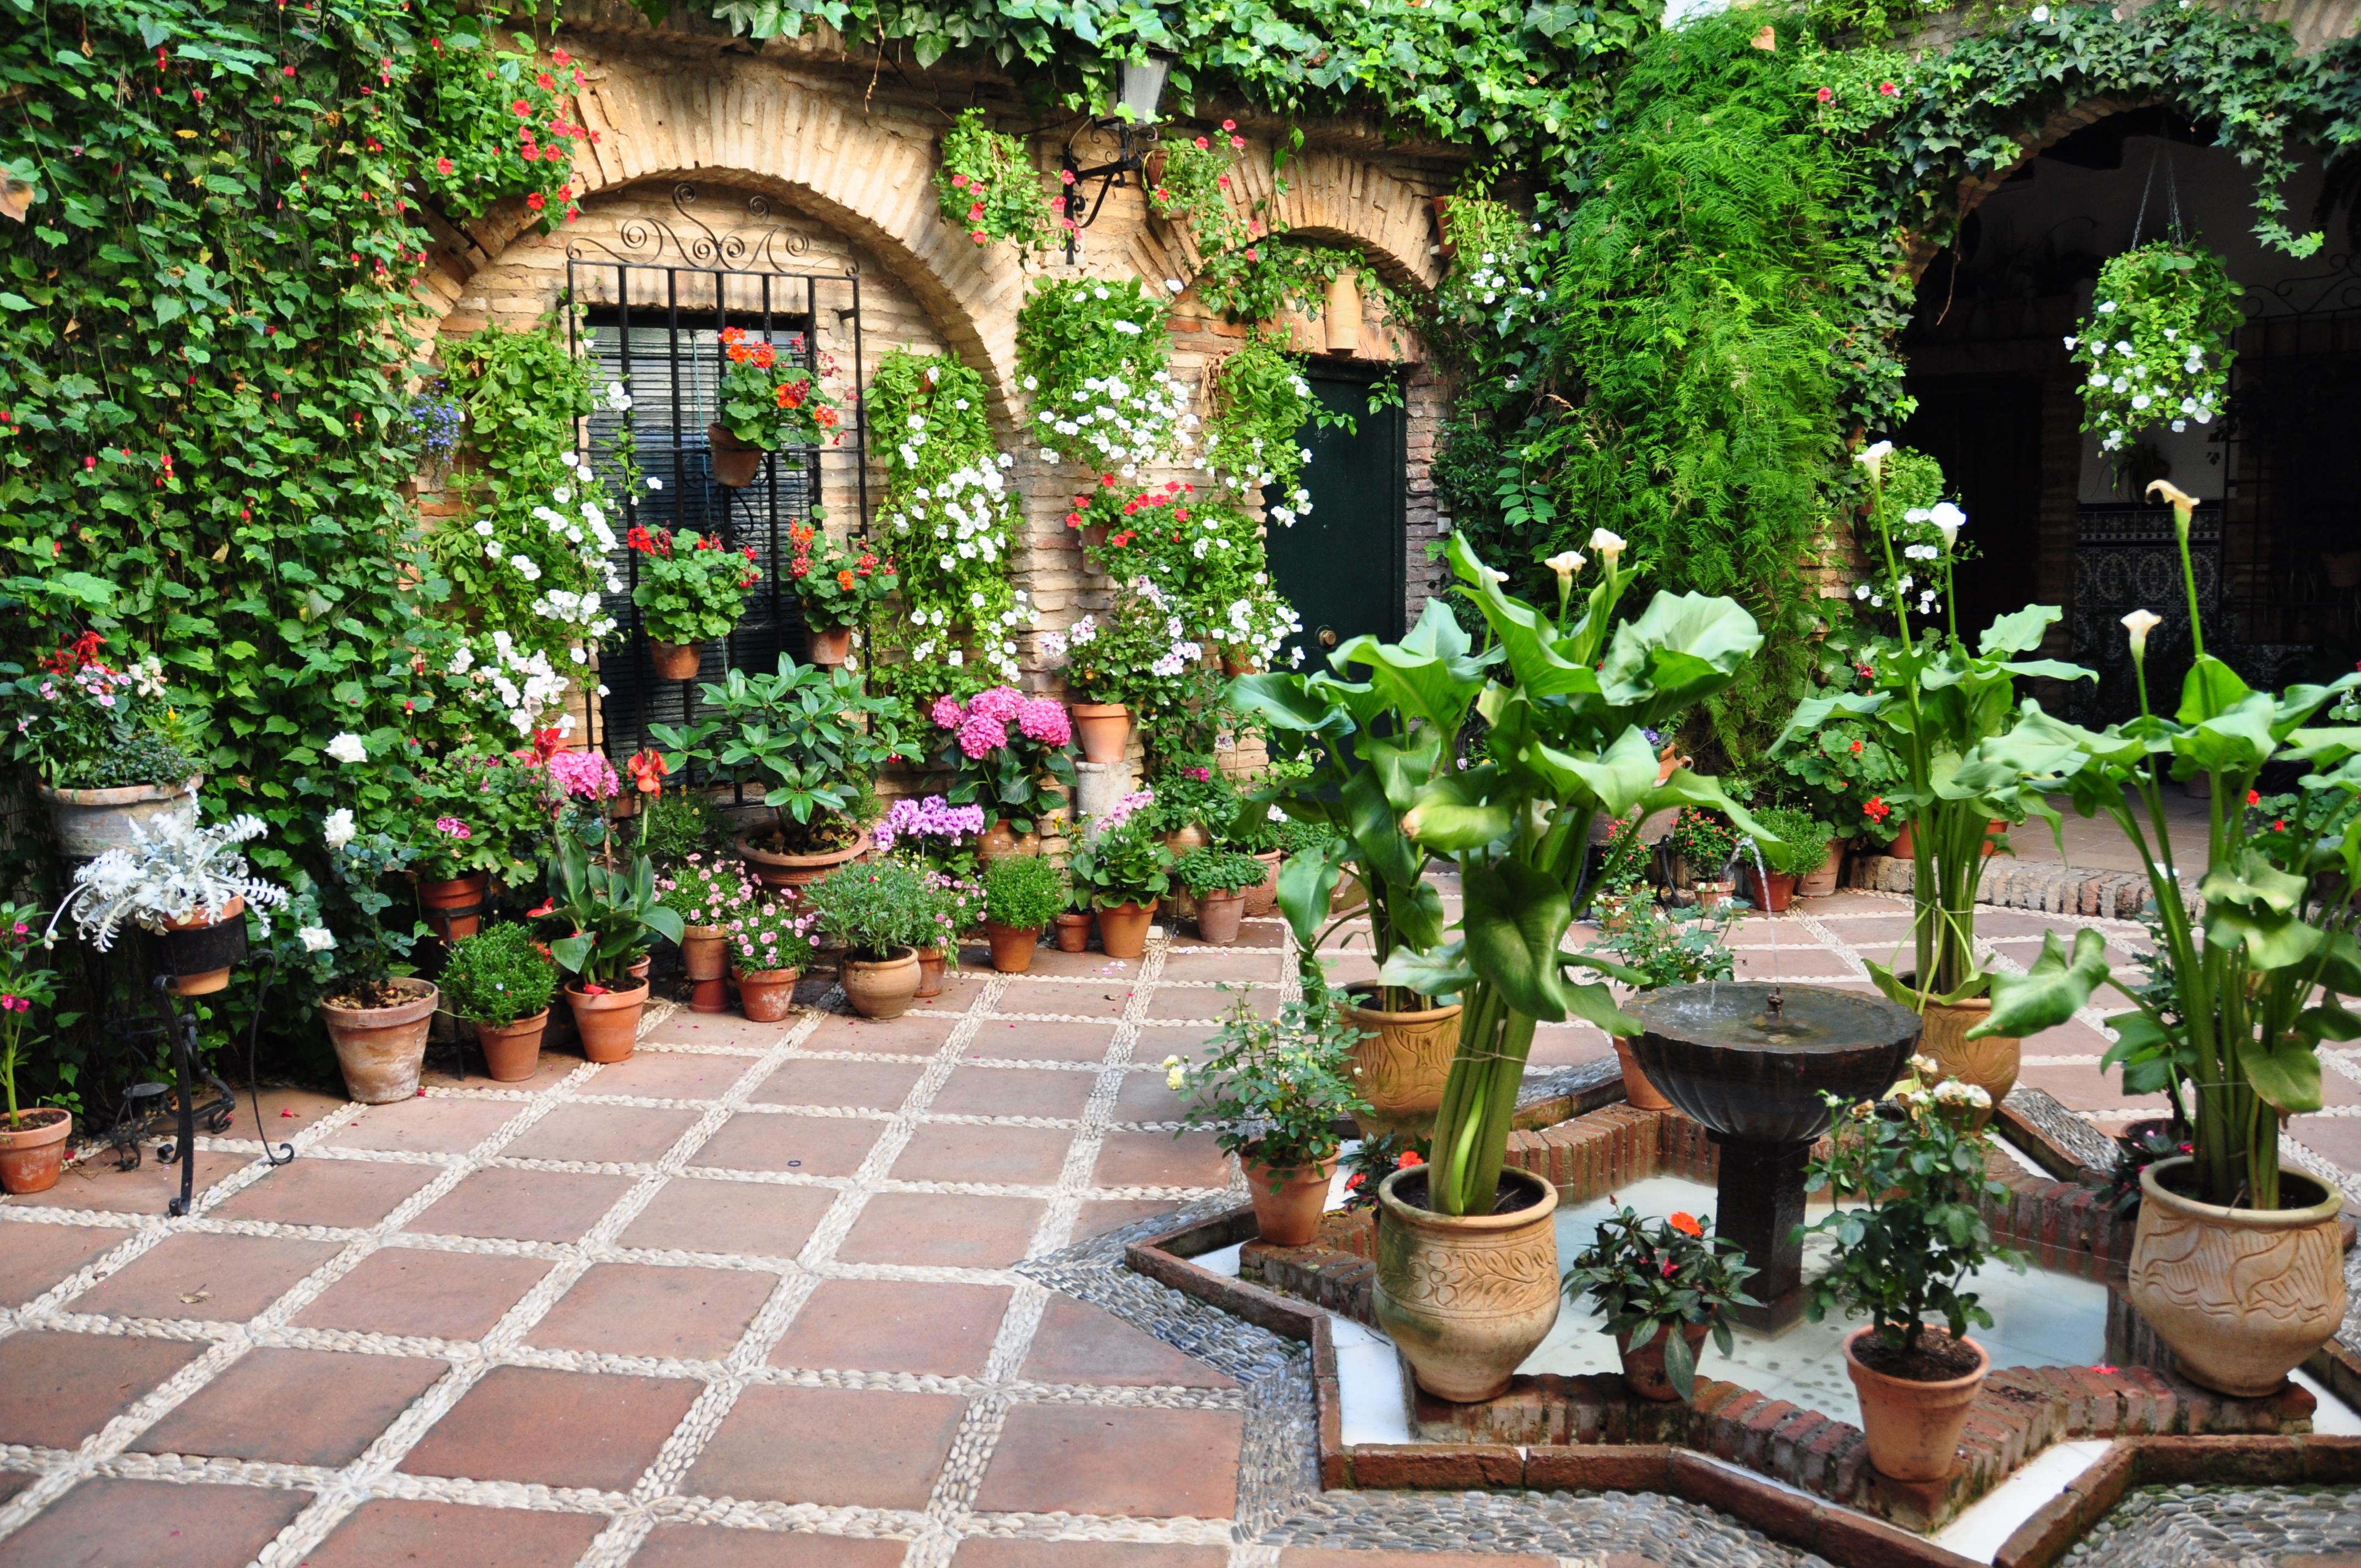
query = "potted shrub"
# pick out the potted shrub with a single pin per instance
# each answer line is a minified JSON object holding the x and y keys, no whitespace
{"x":376,"y":1014}
{"x":691,"y":591}
{"x":468,"y":812}
{"x":767,"y":402}
{"x":933,"y":835}
{"x":1910,"y":1176}
{"x":1659,"y":948}
{"x":1218,"y":880}
{"x":502,"y":980}
{"x":1271,"y":1090}
{"x":1107,"y":654}
{"x":1022,"y":895}
{"x":881,"y":914}
{"x":1842,"y":772}
{"x":186,"y":883}
{"x":32,"y":1143}
{"x":1120,"y":869}
{"x":836,"y":586}
{"x":2236,"y":1263}
{"x":1003,"y":749}
{"x":109,"y":746}
{"x":814,"y":740}
{"x":611,"y":913}
{"x":1662,"y":1289}
{"x":770,"y":947}
{"x":1797,"y":848}
{"x":707,"y":892}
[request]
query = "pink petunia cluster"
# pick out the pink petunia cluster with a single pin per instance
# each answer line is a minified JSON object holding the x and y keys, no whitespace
{"x":1045,"y":721}
{"x":588,"y":776}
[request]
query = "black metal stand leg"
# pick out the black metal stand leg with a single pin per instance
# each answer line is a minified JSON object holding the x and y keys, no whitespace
{"x":1762,"y":1202}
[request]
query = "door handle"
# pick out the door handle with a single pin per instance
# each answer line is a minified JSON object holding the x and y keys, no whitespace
{"x":1327,"y":637}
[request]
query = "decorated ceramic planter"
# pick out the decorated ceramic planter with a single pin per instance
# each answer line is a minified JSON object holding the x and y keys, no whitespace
{"x":1466,"y":1297}
{"x":381,"y":1049}
{"x":1403,"y":1060}
{"x":86,"y":823}
{"x":1991,"y":1064}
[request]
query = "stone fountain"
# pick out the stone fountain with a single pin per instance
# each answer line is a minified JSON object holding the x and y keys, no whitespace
{"x":1748,"y":1061}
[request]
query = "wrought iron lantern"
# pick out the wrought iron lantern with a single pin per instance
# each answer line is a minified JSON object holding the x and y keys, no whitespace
{"x":1139,"y":87}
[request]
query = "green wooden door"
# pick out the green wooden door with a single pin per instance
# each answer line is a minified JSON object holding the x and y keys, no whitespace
{"x":1341,"y":565}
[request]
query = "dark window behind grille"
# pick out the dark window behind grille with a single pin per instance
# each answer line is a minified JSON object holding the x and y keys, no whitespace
{"x":658,"y":329}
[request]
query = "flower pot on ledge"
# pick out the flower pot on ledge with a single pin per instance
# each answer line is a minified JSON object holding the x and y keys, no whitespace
{"x":1288,"y":1203}
{"x":1104,"y":729}
{"x":86,"y":823}
{"x":675,"y":660}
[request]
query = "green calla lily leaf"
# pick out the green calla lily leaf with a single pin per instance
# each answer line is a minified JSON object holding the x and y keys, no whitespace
{"x":2050,"y":992}
{"x":1513,"y":919}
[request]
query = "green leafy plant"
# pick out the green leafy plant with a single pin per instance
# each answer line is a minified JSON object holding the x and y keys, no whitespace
{"x":1648,"y":1280}
{"x":1005,"y":751}
{"x":1840,"y":769}
{"x":1136,"y":651}
{"x":1704,"y":842}
{"x":1208,"y":871}
{"x":770,"y":402}
{"x":2156,"y":347}
{"x":1023,"y":892}
{"x":1798,"y":844}
{"x":692,"y":589}
{"x":1094,"y":358}
{"x":770,"y":936}
{"x":1247,"y":270}
{"x":1272,"y":1090}
{"x":498,"y":976}
{"x":361,"y":950}
{"x":876,"y":909}
{"x":989,"y":188}
{"x":1659,"y":948}
{"x":494,"y":123}
{"x":1121,"y":860}
{"x":837,"y":585}
{"x":27,"y":983}
{"x":82,"y":724}
{"x":611,"y":912}
{"x":808,"y":735}
{"x":1194,"y":794}
{"x":678,"y":823}
{"x":472,"y":809}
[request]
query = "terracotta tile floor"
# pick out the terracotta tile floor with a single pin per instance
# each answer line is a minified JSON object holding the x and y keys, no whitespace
{"x":746,"y":1297}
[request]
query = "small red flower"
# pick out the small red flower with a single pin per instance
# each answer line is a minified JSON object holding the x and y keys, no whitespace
{"x":1824,"y":94}
{"x":547,"y":908}
{"x":2253,"y":797}
{"x":1409,"y":1158}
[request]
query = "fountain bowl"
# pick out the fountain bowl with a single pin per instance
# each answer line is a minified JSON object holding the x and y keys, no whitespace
{"x":1744,"y":1069}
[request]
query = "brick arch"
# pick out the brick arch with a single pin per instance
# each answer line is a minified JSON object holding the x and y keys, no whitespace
{"x":1337,"y":199}
{"x":750,"y":126}
{"x":2055,"y":127}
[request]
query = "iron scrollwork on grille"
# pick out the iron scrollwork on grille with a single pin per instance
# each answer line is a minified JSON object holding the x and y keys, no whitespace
{"x":763,"y":241}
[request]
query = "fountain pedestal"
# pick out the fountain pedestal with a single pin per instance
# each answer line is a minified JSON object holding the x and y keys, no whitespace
{"x":1749,"y":1063}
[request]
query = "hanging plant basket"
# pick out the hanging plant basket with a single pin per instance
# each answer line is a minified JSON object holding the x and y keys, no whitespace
{"x":2156,"y":347}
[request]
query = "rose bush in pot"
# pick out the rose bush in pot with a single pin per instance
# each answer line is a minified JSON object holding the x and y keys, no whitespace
{"x":1271,"y":1091}
{"x":1661,"y":1289}
{"x":377,"y":1013}
{"x":502,"y":980}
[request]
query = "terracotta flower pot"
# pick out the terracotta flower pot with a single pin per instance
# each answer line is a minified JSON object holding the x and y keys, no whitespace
{"x":198,"y":952}
{"x":608,"y":1021}
{"x":1465,"y":1298}
{"x":1263,"y":897}
{"x":931,"y":973}
{"x":1638,"y":1092}
{"x":1288,"y":1202}
{"x":1402,"y":1058}
{"x":87,"y":822}
{"x":639,"y":967}
{"x":831,"y":645}
{"x":455,"y":909}
{"x":1218,"y":917}
{"x":512,"y":1051}
{"x":1826,"y":880}
{"x":33,"y":1152}
{"x":1771,"y":894}
{"x":2241,"y":1295}
{"x":1905,"y":844}
{"x":1000,"y":840}
{"x":1712,"y":894}
{"x":1913,"y":1428}
{"x":735,"y":463}
{"x":1993,"y":835}
{"x":704,"y":951}
{"x":1181,"y":840}
{"x":1073,"y":932}
{"x":380,"y":1049}
{"x":1012,"y":946}
{"x":767,"y":995}
{"x":881,"y":987}
{"x":1123,"y":928}
{"x":1104,"y":729}
{"x":1644,"y":1369}
{"x":675,"y":660}
{"x":1991,"y":1064}
{"x":709,"y":995}
{"x":795,"y":871}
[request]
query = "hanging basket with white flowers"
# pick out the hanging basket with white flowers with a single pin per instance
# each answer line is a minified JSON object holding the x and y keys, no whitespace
{"x":2156,"y":347}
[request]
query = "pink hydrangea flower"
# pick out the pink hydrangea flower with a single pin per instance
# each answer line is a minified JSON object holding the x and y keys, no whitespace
{"x":587,"y":774}
{"x":1000,"y":703}
{"x":945,"y":713}
{"x":980,"y":736}
{"x":1045,"y":721}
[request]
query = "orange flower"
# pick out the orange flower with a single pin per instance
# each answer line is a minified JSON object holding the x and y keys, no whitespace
{"x":844,"y":581}
{"x":1409,"y":1158}
{"x":1687,"y":1225}
{"x":648,"y":770}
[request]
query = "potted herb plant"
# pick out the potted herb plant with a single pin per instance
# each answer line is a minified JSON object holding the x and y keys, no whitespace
{"x":1659,"y":948}
{"x":707,"y":892}
{"x":881,"y":914}
{"x":1662,"y":1289}
{"x":1218,"y":880}
{"x":836,"y":586}
{"x":768,"y":400}
{"x":110,"y":747}
{"x":2236,"y":1263}
{"x":377,"y":1014}
{"x":1908,"y":1178}
{"x":1798,"y":847}
{"x":502,"y":980}
{"x":1121,"y":869}
{"x":770,"y":947}
{"x":813,"y":739}
{"x":1703,"y":846}
{"x":1022,"y":895}
{"x":1003,"y":749}
{"x":186,"y":883}
{"x":32,"y":1143}
{"x":1271,"y":1090}
{"x":691,"y":591}
{"x":612,"y":912}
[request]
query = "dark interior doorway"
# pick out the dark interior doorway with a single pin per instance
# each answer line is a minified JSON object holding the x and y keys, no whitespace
{"x":1342,"y":565}
{"x":1985,"y":429}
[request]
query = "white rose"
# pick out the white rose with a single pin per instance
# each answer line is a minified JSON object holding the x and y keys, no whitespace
{"x":338,"y":831}
{"x":348,"y":748}
{"x":316,"y":938}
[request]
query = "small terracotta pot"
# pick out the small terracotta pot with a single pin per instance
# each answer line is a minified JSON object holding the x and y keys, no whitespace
{"x":704,"y":951}
{"x":453,"y":909}
{"x":1402,"y":1060}
{"x":513,"y":1051}
{"x":1123,"y":928}
{"x":881,"y":989}
{"x":1001,"y":839}
{"x":185,"y":939}
{"x":709,"y":995}
{"x":675,"y":660}
{"x":1644,"y":1369}
{"x":1073,"y":932}
{"x":735,"y":463}
{"x":1638,"y":1092}
{"x":1218,"y":914}
{"x":1826,"y":880}
{"x":1771,"y":894}
{"x":831,"y":645}
{"x":608,"y":1021}
{"x":795,"y":871}
{"x":1288,"y":1202}
{"x":1905,"y":844}
{"x":637,"y":969}
{"x":1993,"y":835}
{"x":1012,"y":948}
{"x":1104,"y":729}
{"x":1263,"y":897}
{"x":1181,"y":840}
{"x":1237,"y":662}
{"x":380,"y":1049}
{"x":1913,"y":1428}
{"x":33,"y":1152}
{"x":767,"y":995}
{"x":1712,"y":895}
{"x":931,"y":973}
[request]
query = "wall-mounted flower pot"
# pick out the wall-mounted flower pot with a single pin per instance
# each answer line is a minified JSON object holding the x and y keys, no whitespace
{"x":1181,"y":840}
{"x":33,"y":1151}
{"x":1012,"y":946}
{"x":513,"y":1051}
{"x":1288,"y":1203}
{"x":931,"y":973}
{"x":198,"y":952}
{"x":767,"y":995}
{"x":87,"y":822}
{"x":453,"y":909}
{"x":380,"y":1049}
{"x":1104,"y":729}
{"x":881,"y":987}
{"x":831,"y":645}
{"x":795,"y":871}
{"x":1341,"y":316}
{"x":1000,"y":841}
{"x":1123,"y":928}
{"x":1073,"y":932}
{"x":1644,"y":1369}
{"x":1912,"y":1427}
{"x":1218,"y":917}
{"x":1236,"y":661}
{"x":675,"y":660}
{"x":735,"y":463}
{"x":609,"y":1021}
{"x":1401,"y":1060}
{"x":1263,"y":897}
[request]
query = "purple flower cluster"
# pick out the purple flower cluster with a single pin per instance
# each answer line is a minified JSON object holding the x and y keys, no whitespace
{"x":981,"y":723}
{"x":932,"y":817}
